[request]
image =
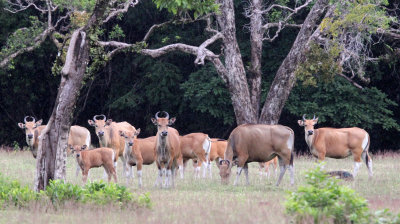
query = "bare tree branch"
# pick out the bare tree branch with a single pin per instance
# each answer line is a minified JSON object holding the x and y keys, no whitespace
{"x":152,"y":28}
{"x":201,"y":51}
{"x":121,"y":8}
{"x":351,"y":81}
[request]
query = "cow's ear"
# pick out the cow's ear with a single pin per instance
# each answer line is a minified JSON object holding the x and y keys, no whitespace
{"x":171,"y":121}
{"x":154,"y":121}
{"x":84,"y":147}
{"x":71,"y":148}
{"x":21,"y":125}
{"x":91,"y":123}
{"x":109,"y":121}
{"x":121,"y":133}
{"x":301,"y":122}
{"x":137,"y":132}
{"x":38,"y":123}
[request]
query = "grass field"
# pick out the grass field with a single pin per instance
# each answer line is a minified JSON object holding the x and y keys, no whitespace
{"x":201,"y":200}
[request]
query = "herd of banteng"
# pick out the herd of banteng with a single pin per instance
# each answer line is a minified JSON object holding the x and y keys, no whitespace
{"x":261,"y":143}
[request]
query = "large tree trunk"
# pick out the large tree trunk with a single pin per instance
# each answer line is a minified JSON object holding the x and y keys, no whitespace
{"x":236,"y":77}
{"x":285,"y":77}
{"x":51,"y":158}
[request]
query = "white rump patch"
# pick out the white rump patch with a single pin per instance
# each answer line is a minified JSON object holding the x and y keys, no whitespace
{"x":365,"y":142}
{"x":290,"y":141}
{"x":207,"y":145}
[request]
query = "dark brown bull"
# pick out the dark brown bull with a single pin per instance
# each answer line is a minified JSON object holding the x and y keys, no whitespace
{"x":258,"y":143}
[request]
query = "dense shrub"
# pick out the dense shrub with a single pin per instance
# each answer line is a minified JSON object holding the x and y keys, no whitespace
{"x":324,"y":200}
{"x":58,"y":192}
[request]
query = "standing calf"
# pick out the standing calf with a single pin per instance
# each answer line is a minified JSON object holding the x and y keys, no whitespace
{"x":88,"y":159}
{"x":137,"y":152}
{"x":258,"y":143}
{"x":338,"y":143}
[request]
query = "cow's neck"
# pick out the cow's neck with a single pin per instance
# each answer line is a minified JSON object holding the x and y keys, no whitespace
{"x":310,"y":139}
{"x":162,"y":145}
{"x":105,"y":140}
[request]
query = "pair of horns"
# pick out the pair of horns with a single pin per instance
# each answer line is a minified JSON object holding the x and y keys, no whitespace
{"x":32,"y":118}
{"x":304,"y":117}
{"x":101,"y":115}
{"x":165,"y":112}
{"x":224,"y":161}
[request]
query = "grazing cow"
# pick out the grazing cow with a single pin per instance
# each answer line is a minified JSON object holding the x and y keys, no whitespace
{"x":88,"y":159}
{"x":264,"y":167}
{"x":194,"y":146}
{"x":217,"y":151}
{"x":344,"y":175}
{"x":167,"y":149}
{"x":138,"y":152}
{"x":338,"y":143}
{"x":258,"y":143}
{"x":77,"y":135}
{"x":108,"y":133}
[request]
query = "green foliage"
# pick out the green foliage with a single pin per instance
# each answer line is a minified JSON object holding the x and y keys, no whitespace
{"x":22,"y":38}
{"x":79,"y":5}
{"x":102,"y":193}
{"x":59,"y":192}
{"x":199,"y":7}
{"x":12,"y":193}
{"x":323,"y":200}
{"x":320,"y":65}
{"x":344,"y":105}
{"x":116,"y":32}
{"x":205,"y":92}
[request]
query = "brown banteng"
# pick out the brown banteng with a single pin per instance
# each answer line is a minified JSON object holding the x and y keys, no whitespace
{"x":338,"y":143}
{"x":108,"y":133}
{"x":137,"y":152}
{"x":217,"y":151}
{"x":88,"y":159}
{"x":77,"y":136}
{"x":194,"y":146}
{"x":265,"y":167}
{"x":167,"y":149}
{"x":258,"y":143}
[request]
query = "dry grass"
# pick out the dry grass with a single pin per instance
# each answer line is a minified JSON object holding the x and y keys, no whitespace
{"x":201,"y":200}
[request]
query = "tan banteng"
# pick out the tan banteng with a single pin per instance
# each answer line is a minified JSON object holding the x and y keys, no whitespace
{"x":137,"y":152}
{"x":98,"y":157}
{"x":258,"y":143}
{"x":265,"y":167}
{"x":167,"y":149}
{"x":108,"y":133}
{"x":338,"y":143}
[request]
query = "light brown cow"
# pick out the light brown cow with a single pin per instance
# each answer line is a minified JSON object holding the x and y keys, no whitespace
{"x":338,"y":143}
{"x":194,"y":146}
{"x":265,"y":168}
{"x":167,"y":149}
{"x":88,"y":159}
{"x":137,"y":152}
{"x":258,"y":143}
{"x":77,"y":135}
{"x":217,"y":151}
{"x":108,"y":133}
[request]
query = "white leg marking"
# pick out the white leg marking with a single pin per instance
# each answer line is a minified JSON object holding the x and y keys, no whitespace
{"x":356,"y":168}
{"x":164,"y":173}
{"x":291,"y":170}
{"x":239,"y":170}
{"x":246,"y":174}
{"x":159,"y":179}
{"x":209,"y":165}
{"x":139,"y":174}
{"x":181,"y":171}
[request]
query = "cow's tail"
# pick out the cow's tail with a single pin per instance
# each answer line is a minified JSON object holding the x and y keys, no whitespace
{"x":365,"y":153}
{"x":290,"y":143}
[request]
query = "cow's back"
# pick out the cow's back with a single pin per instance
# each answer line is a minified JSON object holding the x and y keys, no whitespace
{"x":118,"y":142}
{"x":218,"y":148}
{"x":146,"y":149}
{"x":259,"y":141}
{"x":79,"y":136}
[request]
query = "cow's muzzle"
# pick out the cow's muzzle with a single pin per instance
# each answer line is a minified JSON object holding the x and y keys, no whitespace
{"x":101,"y":133}
{"x":30,"y":136}
{"x":164,"y":133}
{"x":310,"y":132}
{"x":77,"y":155}
{"x":130,"y":143}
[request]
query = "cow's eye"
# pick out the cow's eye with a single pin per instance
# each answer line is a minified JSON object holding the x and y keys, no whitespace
{"x":95,"y":125}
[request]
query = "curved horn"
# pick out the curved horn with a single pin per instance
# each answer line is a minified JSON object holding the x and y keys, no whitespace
{"x":101,"y":115}
{"x":33,"y":119}
{"x":304,"y":117}
{"x":166,"y":114}
{"x":25,"y":118}
{"x":157,"y":114}
{"x":314,"y":117}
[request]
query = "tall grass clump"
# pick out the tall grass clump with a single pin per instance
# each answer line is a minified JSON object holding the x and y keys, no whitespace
{"x":324,"y":200}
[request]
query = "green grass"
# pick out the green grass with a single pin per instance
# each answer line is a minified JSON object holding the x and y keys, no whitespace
{"x":200,"y":200}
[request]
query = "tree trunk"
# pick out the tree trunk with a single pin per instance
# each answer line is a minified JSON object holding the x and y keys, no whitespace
{"x":256,"y":41}
{"x":51,"y":158}
{"x":285,"y":77}
{"x":236,"y":77}
{"x":51,"y":162}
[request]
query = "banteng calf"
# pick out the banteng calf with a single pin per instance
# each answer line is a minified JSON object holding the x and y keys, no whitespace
{"x":167,"y":149}
{"x":88,"y":159}
{"x":258,"y":143}
{"x":265,"y":168}
{"x":138,"y":152}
